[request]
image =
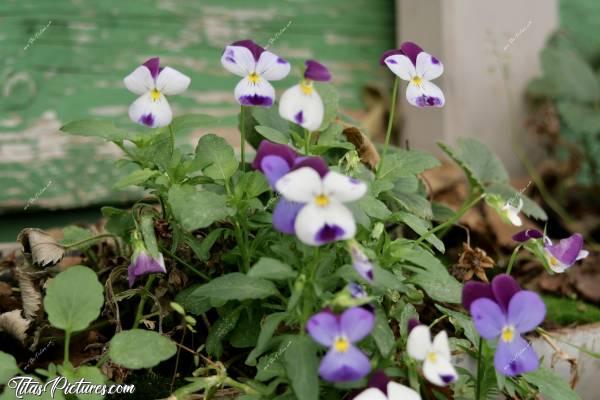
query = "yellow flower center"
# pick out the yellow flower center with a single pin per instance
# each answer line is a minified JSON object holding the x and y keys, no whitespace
{"x":508,"y":334}
{"x":307,"y":87}
{"x":553,"y":261}
{"x":254,"y":78}
{"x":417,"y":80}
{"x":341,"y":344}
{"x":432,"y":357}
{"x":154,"y":94}
{"x":322,"y":200}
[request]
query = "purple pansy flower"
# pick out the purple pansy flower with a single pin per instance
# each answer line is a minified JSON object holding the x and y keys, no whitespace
{"x":502,"y":310}
{"x":344,"y":361}
{"x":361,"y":262}
{"x":323,"y":217}
{"x":301,"y":103}
{"x":412,"y":64}
{"x":560,"y":256}
{"x":437,"y":366}
{"x":257,"y":66}
{"x":142,"y":263}
{"x":152,"y":83}
{"x":527,"y":234}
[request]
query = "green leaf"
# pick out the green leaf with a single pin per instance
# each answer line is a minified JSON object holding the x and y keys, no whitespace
{"x":120,"y":222}
{"x":550,"y":385}
{"x":270,"y":268}
{"x":193,"y":304}
{"x":74,"y":299}
{"x":202,"y":249}
{"x":251,"y":185}
{"x":219,"y":331}
{"x":421,"y":227}
{"x":216,"y":156}
{"x":374,"y":208}
{"x":330,"y":98}
{"x":463,"y":322}
{"x":147,"y":228}
{"x":273,"y":135}
{"x":405,"y":163}
{"x":195,"y":209}
{"x":480,"y":164}
{"x":267,"y":330}
{"x":236,"y":286}
{"x":88,"y":374}
{"x":385,"y":279}
{"x":301,"y":364}
{"x":192,"y":121}
{"x":73,"y":234}
{"x":579,"y":117}
{"x":136,"y":178}
{"x":138,"y":348}
{"x":414,"y":203}
{"x":433,"y":277}
{"x":8,"y":367}
{"x":101,"y":128}
{"x":382,"y":334}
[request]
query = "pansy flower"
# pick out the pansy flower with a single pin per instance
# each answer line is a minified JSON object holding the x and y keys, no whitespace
{"x":323,"y":218}
{"x":257,"y":67}
{"x":435,"y":355}
{"x":381,"y":387}
{"x":501,"y":310}
{"x":412,"y":64}
{"x":344,"y":361}
{"x":360,"y":261}
{"x":301,"y":103}
{"x":276,"y":160}
{"x":510,"y":213}
{"x":560,"y":256}
{"x":142,"y":263}
{"x":152,"y":83}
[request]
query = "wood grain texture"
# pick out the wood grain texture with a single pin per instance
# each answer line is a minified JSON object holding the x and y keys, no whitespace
{"x":65,"y":59}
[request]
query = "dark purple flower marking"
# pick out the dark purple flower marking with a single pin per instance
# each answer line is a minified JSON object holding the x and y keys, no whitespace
{"x":153,"y":66}
{"x":255,"y":49}
{"x":408,"y":49}
{"x":281,"y":60}
{"x":361,"y":262}
{"x":256,"y":100}
{"x":299,"y":118}
{"x":412,"y":324}
{"x":428,"y":101}
{"x":356,"y":290}
{"x":501,"y":290}
{"x":329,"y":233}
{"x":316,"y":71}
{"x":380,"y":381}
{"x":527,"y":234}
{"x":434,"y":60}
{"x":147,"y":119}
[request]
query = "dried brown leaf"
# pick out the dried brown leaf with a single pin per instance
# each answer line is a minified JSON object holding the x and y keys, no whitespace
{"x":366,"y":149}
{"x":30,"y":295}
{"x":41,"y":248}
{"x":14,"y":324}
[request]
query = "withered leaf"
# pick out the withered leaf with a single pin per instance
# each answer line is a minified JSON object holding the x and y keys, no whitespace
{"x":366,"y":149}
{"x":41,"y":248}
{"x":14,"y":324}
{"x":30,"y":295}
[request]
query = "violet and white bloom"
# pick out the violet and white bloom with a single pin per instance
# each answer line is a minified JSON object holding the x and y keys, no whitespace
{"x":323,"y":218}
{"x":361,"y":262}
{"x":344,"y":361}
{"x":257,"y":67}
{"x":501,"y":310}
{"x":152,"y":83}
{"x":412,"y":64}
{"x":394,"y":391}
{"x":511,"y":213}
{"x":142,"y":263}
{"x":301,"y":103}
{"x":435,"y":355}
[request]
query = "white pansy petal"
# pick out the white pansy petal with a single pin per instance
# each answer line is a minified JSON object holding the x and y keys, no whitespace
{"x":401,"y":65}
{"x":302,"y":109}
{"x":441,"y":345}
{"x":419,"y":342}
{"x":147,"y":112}
{"x":238,"y":60}
{"x":300,"y":186}
{"x":139,"y":81}
{"x":316,"y":225}
{"x":343,"y":188}
{"x":271,"y":67}
{"x":425,"y":95}
{"x":372,"y":394}
{"x":582,"y":254}
{"x":170,"y":81}
{"x":428,"y":67}
{"x":259,"y":93}
{"x":397,"y":391}
{"x":439,"y":372}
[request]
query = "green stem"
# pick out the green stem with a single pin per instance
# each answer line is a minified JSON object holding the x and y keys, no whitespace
{"x":307,"y":135}
{"x":140,"y":309}
{"x":513,"y":258}
{"x":478,"y":383}
{"x":182,"y":262}
{"x":171,"y":138}
{"x":91,"y":239}
{"x":243,"y":137}
{"x":390,"y":124}
{"x":238,"y":385}
{"x":469,"y":203}
{"x":67,"y":345}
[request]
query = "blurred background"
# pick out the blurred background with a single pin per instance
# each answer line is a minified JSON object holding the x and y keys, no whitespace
{"x":513,"y":69}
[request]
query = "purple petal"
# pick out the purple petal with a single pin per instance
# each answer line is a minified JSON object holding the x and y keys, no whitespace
{"x":526,"y":311}
{"x":567,"y":250}
{"x":380,"y":381}
{"x":143,"y":264}
{"x":147,"y":119}
{"x":345,"y":366}
{"x":409,"y":49}
{"x":274,"y":167}
{"x":475,"y":290}
{"x":428,"y":101}
{"x":323,"y":327}
{"x":256,"y":100}
{"x":356,"y":290}
{"x":488,"y":318}
{"x":284,"y":216}
{"x":329,"y":233}
{"x":299,"y":118}
{"x":316,"y":163}
{"x":515,"y":357}
{"x":316,"y":71}
{"x":361,"y":263}
{"x":255,"y":49}
{"x":504,"y":287}
{"x":412,"y":324}
{"x":356,"y":323}
{"x":267,"y":148}
{"x":153,"y":65}
{"x":527,"y":234}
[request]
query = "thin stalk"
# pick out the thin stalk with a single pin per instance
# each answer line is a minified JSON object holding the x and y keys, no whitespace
{"x":478,"y":383}
{"x":171,"y":138}
{"x":307,"y":135}
{"x":390,"y":124}
{"x":243,"y":137}
{"x":140,"y":309}
{"x":67,"y":345}
{"x":90,"y":240}
{"x":182,"y":262}
{"x":513,"y":258}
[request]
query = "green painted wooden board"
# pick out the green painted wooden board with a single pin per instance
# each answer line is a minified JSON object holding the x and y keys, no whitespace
{"x":65,"y":59}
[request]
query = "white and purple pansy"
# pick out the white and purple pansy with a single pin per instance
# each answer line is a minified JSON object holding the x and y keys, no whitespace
{"x":412,"y":64}
{"x":381,"y":387}
{"x":257,"y":67}
{"x":360,"y":261}
{"x":323,"y":217}
{"x":276,"y":160}
{"x":301,"y":103}
{"x":142,"y":263}
{"x":344,"y":361}
{"x":437,"y":366}
{"x":152,"y":83}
